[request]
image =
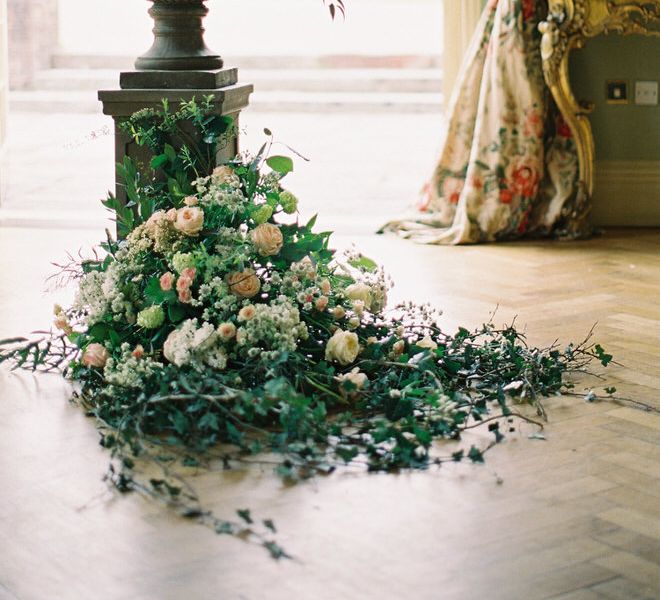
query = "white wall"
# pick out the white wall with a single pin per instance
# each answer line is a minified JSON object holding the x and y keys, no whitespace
{"x":263,"y":27}
{"x":4,"y":84}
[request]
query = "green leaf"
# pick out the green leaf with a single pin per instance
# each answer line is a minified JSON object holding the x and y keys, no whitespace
{"x":364,"y":263}
{"x":158,"y":161}
{"x":281,"y":164}
{"x":245,"y":515}
{"x":270,"y":525}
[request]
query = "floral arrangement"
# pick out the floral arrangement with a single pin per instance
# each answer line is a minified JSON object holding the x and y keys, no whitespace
{"x":217,"y":320}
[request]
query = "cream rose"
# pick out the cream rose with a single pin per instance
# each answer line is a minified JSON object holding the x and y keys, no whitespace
{"x":360,"y":291}
{"x":189,"y":220}
{"x":426,"y":342}
{"x":225,"y":175}
{"x":95,"y":355}
{"x":398,"y":347}
{"x":356,"y":377}
{"x":244,"y":284}
{"x":343,"y":347}
{"x":190,"y":201}
{"x":268,"y":239}
{"x":338,"y":312}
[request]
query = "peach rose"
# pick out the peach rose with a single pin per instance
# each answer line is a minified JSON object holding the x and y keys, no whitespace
{"x":326,"y":287}
{"x":62,"y":323}
{"x":154,"y":220}
{"x":189,"y":220}
{"x":95,"y":355}
{"x":321,"y":303}
{"x":343,"y":347}
{"x":227,"y":331}
{"x":166,"y":281}
{"x":267,"y":239}
{"x":247,"y":313}
{"x":138,"y":352}
{"x":185,"y":296}
{"x":244,"y":284}
{"x":190,"y":201}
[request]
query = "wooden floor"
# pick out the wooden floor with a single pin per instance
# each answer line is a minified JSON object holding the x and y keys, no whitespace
{"x":574,"y":517}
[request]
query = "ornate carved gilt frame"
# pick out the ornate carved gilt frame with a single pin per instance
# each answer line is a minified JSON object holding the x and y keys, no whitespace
{"x":568,"y":25}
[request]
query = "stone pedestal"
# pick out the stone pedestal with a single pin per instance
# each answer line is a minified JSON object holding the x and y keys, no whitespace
{"x":178,"y":67}
{"x":229,"y":96}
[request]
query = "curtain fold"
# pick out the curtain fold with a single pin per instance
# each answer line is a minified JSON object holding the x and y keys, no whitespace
{"x":508,"y":164}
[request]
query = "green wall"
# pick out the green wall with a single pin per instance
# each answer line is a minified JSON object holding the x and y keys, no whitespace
{"x":621,"y":132}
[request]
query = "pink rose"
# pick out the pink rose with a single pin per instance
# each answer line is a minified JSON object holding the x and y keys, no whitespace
{"x":166,"y":281}
{"x":185,"y":296}
{"x":138,"y":352}
{"x":190,"y":273}
{"x":95,"y":355}
{"x":183,"y":284}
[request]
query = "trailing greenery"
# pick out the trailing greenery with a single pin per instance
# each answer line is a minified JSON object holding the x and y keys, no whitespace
{"x":218,"y":327}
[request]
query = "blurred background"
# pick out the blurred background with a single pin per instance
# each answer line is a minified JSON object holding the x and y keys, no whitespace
{"x":361,"y":97}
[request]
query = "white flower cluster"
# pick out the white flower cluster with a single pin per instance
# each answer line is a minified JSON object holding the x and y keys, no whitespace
{"x":99,"y":293}
{"x":195,"y":345}
{"x":130,"y":370}
{"x":222,"y":190}
{"x":272,"y":327}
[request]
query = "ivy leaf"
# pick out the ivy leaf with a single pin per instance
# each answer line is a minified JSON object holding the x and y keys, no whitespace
{"x":245,"y":515}
{"x":602,"y":356}
{"x":281,"y":164}
{"x":476,"y":455}
{"x":270,"y":525}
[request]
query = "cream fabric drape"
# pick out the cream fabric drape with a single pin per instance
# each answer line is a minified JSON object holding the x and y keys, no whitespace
{"x":508,"y":164}
{"x":460,"y":21}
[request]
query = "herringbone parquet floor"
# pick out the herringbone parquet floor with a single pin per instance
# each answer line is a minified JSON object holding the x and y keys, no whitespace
{"x":573,"y":517}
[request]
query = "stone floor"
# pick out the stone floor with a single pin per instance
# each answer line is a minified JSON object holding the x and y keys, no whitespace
{"x":576,"y":516}
{"x":363,"y":169}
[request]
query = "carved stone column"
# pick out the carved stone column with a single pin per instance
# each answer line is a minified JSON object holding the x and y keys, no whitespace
{"x":177,"y":67}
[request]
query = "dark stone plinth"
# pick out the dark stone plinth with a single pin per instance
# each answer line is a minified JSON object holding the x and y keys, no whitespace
{"x":120,"y":104}
{"x":178,"y":80}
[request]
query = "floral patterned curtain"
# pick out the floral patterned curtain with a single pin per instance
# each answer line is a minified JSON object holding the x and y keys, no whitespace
{"x":508,"y":167}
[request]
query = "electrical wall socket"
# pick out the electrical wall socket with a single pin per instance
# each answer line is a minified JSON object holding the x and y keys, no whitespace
{"x":646,"y":93}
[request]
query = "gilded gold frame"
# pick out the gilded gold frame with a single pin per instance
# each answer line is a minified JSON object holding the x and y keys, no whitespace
{"x":568,"y":25}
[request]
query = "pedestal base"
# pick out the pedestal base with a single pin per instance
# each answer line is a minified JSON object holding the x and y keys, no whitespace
{"x":228,"y":100}
{"x":178,"y":80}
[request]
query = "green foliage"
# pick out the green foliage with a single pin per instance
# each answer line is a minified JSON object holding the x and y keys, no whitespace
{"x":177,"y":364}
